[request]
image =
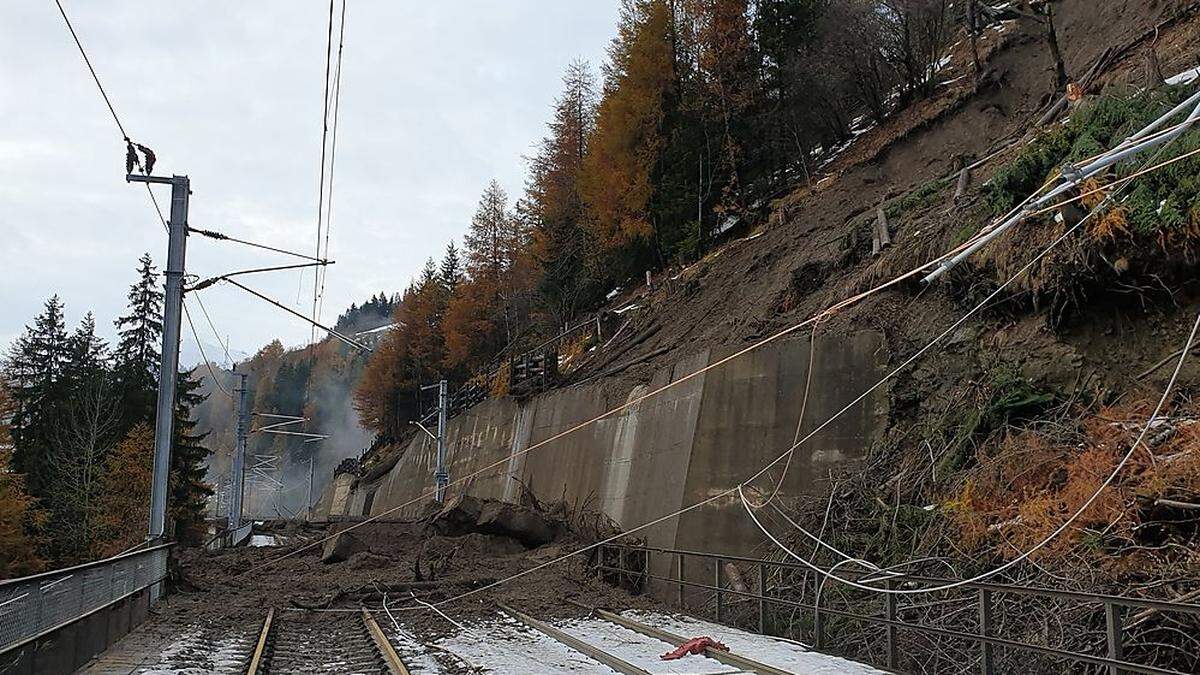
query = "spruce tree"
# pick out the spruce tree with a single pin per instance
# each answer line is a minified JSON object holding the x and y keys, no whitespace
{"x":451,"y":270}
{"x":188,"y":491}
{"x":429,"y":273}
{"x":87,"y":353}
{"x":35,"y":374}
{"x":136,"y":358}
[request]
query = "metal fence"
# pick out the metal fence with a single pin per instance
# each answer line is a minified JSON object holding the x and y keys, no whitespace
{"x":33,"y":606}
{"x":632,"y":565}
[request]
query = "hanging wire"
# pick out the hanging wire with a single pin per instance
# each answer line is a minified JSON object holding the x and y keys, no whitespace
{"x":153,"y":200}
{"x":225,"y":237}
{"x":200,"y":346}
{"x":213,"y":327}
{"x":337,"y":105}
{"x":324,"y":148}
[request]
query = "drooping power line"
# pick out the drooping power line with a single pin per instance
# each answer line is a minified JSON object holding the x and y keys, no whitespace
{"x":324,"y":148}
{"x":153,"y":200}
{"x":337,"y":101}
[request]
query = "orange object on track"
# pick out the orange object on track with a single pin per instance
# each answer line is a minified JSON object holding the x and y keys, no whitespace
{"x":694,"y":646}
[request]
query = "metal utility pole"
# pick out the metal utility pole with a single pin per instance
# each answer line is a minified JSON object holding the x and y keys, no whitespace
{"x":169,"y":367}
{"x":441,"y":474}
{"x":308,"y":496}
{"x":238,"y":477}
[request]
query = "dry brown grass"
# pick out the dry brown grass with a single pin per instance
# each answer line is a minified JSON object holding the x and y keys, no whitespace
{"x":1026,"y":485}
{"x":500,"y":380}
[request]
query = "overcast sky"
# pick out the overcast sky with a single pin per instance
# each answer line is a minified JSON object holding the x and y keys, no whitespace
{"x":437,"y":99}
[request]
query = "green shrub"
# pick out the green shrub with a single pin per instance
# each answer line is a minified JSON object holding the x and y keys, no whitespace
{"x":1168,"y":198}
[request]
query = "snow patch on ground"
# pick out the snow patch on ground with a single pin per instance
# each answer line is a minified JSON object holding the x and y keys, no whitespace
{"x":504,"y":645}
{"x":790,"y":656}
{"x":195,"y":646}
{"x":640,"y":650}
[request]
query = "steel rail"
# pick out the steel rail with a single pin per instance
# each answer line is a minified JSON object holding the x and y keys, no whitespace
{"x":618,"y":664}
{"x":257,"y":659}
{"x":729,"y":658}
{"x":390,"y":657}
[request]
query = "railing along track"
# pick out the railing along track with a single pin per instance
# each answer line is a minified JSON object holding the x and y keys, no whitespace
{"x":986,"y":638}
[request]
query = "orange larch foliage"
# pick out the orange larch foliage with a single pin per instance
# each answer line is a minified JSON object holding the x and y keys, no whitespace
{"x":125,"y":491}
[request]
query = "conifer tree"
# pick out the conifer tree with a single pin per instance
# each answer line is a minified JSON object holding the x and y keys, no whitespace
{"x":621,"y":170}
{"x":451,"y":270}
{"x":562,"y":245}
{"x":188,"y":491}
{"x":485,"y":241}
{"x":86,"y":427}
{"x":125,"y":491}
{"x":136,"y":358}
{"x":87,"y":353}
{"x":35,"y":371}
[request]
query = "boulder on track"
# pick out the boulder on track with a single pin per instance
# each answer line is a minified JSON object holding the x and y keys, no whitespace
{"x":465,"y":515}
{"x":341,"y":547}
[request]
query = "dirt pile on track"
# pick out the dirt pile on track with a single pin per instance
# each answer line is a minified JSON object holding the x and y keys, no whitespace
{"x":460,"y":548}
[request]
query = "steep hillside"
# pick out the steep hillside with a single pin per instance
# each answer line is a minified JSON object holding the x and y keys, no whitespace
{"x":1009,"y":423}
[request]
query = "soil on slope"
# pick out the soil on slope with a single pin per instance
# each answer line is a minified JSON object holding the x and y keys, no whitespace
{"x":814,"y":249}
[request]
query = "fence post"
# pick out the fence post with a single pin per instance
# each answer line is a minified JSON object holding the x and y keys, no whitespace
{"x":39,"y":606}
{"x":600,"y":563}
{"x":679,"y":566}
{"x":818,"y":628}
{"x":762,"y":598}
{"x":717,"y":585}
{"x":986,"y":665}
{"x":621,"y":567}
{"x":892,"y":647}
{"x":1113,"y":620}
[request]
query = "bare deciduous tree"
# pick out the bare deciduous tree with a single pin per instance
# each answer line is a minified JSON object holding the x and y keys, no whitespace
{"x":82,"y":439}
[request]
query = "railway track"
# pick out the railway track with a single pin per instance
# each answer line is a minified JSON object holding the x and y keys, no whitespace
{"x":638,"y":655}
{"x":326,"y":643}
{"x":516,"y":642}
{"x":603,"y":644}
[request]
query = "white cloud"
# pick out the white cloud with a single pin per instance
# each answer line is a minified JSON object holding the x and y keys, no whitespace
{"x":437,"y":99}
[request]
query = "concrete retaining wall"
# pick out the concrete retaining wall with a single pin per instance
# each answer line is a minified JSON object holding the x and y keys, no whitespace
{"x":662,"y":454}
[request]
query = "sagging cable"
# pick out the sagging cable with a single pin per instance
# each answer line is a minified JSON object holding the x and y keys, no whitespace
{"x":350,"y":341}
